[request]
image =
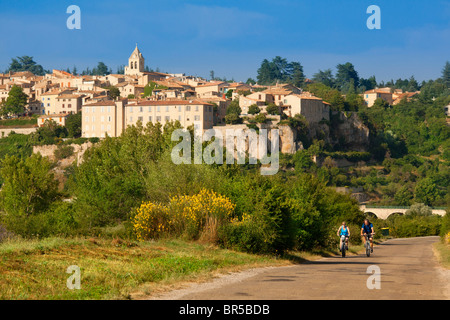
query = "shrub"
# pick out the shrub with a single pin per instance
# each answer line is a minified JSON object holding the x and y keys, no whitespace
{"x":419,"y":209}
{"x":150,"y":221}
{"x":194,"y":217}
{"x":254,"y":109}
{"x":415,"y":226}
{"x":261,"y":118}
{"x":232,"y":118}
{"x":63,"y":152}
{"x":272,"y":109}
{"x":252,"y":233}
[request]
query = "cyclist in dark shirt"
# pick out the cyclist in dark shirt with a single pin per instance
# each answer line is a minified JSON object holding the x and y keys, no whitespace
{"x":367,"y":228}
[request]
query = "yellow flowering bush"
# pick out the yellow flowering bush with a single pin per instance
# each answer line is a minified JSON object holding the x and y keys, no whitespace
{"x":196,"y":216}
{"x":151,"y":220}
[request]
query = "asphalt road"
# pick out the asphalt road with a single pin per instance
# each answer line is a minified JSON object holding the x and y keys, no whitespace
{"x":408,"y":270}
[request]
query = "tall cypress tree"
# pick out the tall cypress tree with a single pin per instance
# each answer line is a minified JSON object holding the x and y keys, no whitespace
{"x":446,"y":74}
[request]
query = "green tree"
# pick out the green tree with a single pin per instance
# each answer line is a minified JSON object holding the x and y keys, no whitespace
{"x":265,"y":73}
{"x":296,"y":77}
{"x":29,"y":186}
{"x":15,"y":103}
{"x":26,"y":63}
{"x":254,"y":109}
{"x":419,"y":209}
{"x":325,"y":77}
{"x":380,"y":104}
{"x":426,"y":192}
{"x":404,"y":196}
{"x":272,"y":109}
{"x":148,"y":89}
{"x":261,"y":118}
{"x":229,"y":94}
{"x":232,"y":118}
{"x":49,"y":133}
{"x":114,"y":92}
{"x":234,"y":108}
{"x":73,"y":125}
{"x":101,"y":69}
{"x":117,"y":173}
{"x":368,"y":84}
{"x":346,"y":77}
{"x":332,"y":96}
{"x":446,"y":74}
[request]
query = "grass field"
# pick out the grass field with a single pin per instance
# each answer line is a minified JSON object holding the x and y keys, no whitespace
{"x":112,"y":269}
{"x":25,"y":122}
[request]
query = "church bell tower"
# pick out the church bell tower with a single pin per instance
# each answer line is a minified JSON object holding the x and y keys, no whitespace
{"x":136,"y":63}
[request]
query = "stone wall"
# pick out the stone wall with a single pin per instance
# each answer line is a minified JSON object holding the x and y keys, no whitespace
{"x":287,"y":142}
{"x":49,"y":151}
{"x":4,"y":132}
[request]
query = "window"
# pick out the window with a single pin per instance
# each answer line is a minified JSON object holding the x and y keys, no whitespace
{"x":179,"y":108}
{"x":158,"y":118}
{"x":188,"y":108}
{"x":86,"y":119}
{"x":109,"y":108}
{"x":179,"y":118}
{"x":167,"y":118}
{"x":150,"y":118}
{"x":196,"y":108}
{"x":141,"y":109}
{"x":141,"y":119}
{"x":69,"y":106}
{"x":102,"y":119}
{"x":109,"y":118}
{"x":93,"y":119}
{"x":131,"y":119}
{"x":131,"y":109}
{"x":63,"y":105}
{"x":149,"y":109}
{"x":167,"y":108}
{"x":197,"y":118}
{"x":158,"y":109}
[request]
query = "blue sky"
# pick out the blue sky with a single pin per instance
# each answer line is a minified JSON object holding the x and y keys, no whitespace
{"x":232,"y":37}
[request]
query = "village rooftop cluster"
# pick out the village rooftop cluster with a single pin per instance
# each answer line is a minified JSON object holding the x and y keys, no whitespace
{"x":175,"y":97}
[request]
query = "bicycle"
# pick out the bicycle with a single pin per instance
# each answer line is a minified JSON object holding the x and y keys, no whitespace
{"x":344,"y":246}
{"x":367,"y":243}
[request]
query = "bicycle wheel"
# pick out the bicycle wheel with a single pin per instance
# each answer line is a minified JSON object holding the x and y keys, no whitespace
{"x":368,"y":248}
{"x":343,"y":249}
